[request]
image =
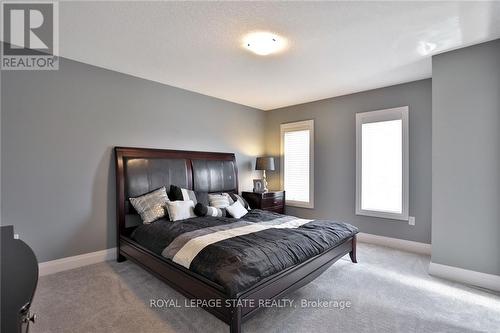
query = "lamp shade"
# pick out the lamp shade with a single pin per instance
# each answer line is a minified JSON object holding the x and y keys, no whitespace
{"x":264,"y":163}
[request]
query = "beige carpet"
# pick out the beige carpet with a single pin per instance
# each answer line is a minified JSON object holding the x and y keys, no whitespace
{"x":390,"y":291}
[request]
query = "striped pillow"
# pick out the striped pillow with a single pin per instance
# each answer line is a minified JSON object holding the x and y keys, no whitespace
{"x":219,"y":200}
{"x":229,"y":198}
{"x":203,"y":210}
{"x":182,"y":194}
{"x":240,"y":199}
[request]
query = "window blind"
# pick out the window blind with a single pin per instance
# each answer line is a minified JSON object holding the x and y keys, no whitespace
{"x":296,"y":165}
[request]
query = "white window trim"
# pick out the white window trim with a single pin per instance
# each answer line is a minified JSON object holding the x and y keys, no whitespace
{"x":376,"y":116}
{"x":298,"y":126}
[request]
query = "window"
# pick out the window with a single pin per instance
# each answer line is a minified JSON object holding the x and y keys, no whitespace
{"x":297,"y":163}
{"x":382,"y":173}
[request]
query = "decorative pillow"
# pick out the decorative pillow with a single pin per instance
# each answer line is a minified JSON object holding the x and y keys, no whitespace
{"x":151,"y":206}
{"x":219,"y":200}
{"x":229,"y":198}
{"x":240,"y":199}
{"x":178,"y":193}
{"x":237,"y":210}
{"x":180,"y":210}
{"x":203,"y":210}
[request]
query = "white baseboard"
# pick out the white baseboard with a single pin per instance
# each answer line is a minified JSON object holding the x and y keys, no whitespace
{"x":400,"y":244}
{"x":63,"y":264}
{"x":483,"y":280}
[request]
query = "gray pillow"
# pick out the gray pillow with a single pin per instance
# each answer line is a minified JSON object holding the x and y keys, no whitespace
{"x":151,"y":206}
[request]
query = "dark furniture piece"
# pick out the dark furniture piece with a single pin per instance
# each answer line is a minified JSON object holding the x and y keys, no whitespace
{"x":140,"y":170}
{"x":273,"y":201}
{"x":19,"y":280}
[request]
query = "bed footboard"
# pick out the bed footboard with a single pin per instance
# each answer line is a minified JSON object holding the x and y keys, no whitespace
{"x":352,"y":254}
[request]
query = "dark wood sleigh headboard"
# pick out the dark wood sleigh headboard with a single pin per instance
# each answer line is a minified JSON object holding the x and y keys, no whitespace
{"x":141,"y":170}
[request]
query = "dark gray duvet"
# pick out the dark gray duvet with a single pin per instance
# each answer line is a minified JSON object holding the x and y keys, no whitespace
{"x":237,"y":253}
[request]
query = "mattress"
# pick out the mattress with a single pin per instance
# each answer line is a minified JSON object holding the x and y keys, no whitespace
{"x":238,"y":253}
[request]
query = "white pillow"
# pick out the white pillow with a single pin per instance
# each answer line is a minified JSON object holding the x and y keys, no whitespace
{"x":180,"y":210}
{"x":236,"y":210}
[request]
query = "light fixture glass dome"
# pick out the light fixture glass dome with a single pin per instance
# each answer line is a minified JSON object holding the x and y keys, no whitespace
{"x":264,"y":43}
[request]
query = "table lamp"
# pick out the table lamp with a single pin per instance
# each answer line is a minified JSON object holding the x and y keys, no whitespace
{"x":264,"y":164}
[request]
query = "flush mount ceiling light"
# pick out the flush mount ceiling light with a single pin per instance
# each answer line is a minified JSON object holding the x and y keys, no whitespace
{"x":263,"y":43}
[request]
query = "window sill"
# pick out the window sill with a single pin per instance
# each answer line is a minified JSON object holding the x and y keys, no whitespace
{"x":383,"y":215}
{"x":299,"y":204}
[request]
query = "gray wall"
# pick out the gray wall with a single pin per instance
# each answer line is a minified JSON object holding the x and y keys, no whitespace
{"x":57,"y":132}
{"x":58,"y":129}
{"x":466,"y":158}
{"x":335,"y":150}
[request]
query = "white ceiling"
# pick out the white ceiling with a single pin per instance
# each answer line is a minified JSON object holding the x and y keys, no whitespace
{"x":335,"y":48}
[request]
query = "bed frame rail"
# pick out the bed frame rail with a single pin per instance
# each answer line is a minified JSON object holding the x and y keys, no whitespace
{"x":194,"y":286}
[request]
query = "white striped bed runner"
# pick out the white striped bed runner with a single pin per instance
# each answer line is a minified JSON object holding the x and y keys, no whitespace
{"x":186,"y":247}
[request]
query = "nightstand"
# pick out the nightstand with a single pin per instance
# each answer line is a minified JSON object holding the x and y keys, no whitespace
{"x":273,"y":201}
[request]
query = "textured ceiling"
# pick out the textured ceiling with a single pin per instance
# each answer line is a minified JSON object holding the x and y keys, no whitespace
{"x":335,"y":48}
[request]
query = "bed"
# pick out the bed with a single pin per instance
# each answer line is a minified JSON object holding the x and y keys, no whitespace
{"x":266,"y":255}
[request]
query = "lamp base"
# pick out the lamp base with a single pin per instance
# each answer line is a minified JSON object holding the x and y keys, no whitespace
{"x":260,"y":185}
{"x":264,"y":181}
